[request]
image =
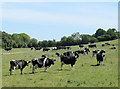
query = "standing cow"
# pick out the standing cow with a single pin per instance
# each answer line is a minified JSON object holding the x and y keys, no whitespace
{"x":100,"y":56}
{"x":42,"y":62}
{"x":68,"y":59}
{"x":18,"y":64}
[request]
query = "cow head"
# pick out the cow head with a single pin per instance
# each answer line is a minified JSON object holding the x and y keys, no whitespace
{"x":28,"y":62}
{"x":52,"y":61}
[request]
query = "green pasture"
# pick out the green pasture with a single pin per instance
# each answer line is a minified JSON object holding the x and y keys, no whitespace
{"x":85,"y":74}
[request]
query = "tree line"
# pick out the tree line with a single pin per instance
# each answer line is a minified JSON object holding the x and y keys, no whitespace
{"x":23,"y":40}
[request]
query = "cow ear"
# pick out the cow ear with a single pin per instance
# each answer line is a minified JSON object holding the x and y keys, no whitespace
{"x":54,"y":60}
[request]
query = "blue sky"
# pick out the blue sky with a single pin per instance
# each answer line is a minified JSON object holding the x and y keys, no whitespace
{"x":53,"y":20}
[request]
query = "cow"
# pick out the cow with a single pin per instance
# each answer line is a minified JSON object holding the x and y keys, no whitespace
{"x":7,"y":49}
{"x":107,"y":43}
{"x":113,"y":45}
{"x":18,"y":64}
{"x":81,"y":52}
{"x":92,"y":46}
{"x":42,"y":62}
{"x":113,"y":48}
{"x":68,"y":59}
{"x":46,"y":49}
{"x":68,"y":48}
{"x":103,"y":45}
{"x":54,"y":48}
{"x":100,"y":56}
{"x":85,"y":51}
{"x":37,"y":48}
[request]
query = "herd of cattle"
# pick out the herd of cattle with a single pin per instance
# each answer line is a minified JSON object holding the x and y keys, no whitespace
{"x":69,"y":57}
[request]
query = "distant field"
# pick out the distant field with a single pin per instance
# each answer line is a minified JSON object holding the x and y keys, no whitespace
{"x":83,"y":75}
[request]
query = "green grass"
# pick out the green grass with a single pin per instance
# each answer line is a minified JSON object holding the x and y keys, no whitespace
{"x":83,"y":75}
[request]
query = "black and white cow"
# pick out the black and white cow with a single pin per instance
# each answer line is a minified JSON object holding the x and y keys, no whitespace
{"x":100,"y":56}
{"x":54,"y":48}
{"x":42,"y":62}
{"x":18,"y":64}
{"x":68,"y":59}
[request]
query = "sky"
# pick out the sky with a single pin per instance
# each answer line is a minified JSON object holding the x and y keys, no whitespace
{"x":53,"y":20}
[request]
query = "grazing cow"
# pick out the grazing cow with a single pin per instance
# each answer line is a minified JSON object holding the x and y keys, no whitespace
{"x":42,"y":62}
{"x":107,"y":43}
{"x":113,"y":48}
{"x":46,"y":49}
{"x":37,"y":48}
{"x":68,"y":59}
{"x":18,"y":64}
{"x":92,"y":46}
{"x":100,"y":56}
{"x":7,"y":49}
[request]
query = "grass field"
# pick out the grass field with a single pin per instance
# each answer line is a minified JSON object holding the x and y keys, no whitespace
{"x":83,"y":75}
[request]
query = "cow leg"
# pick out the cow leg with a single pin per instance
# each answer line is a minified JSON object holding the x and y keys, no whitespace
{"x":93,"y":55}
{"x":21,"y":71}
{"x":45,"y":69}
{"x":10,"y":71}
{"x":33,"y":69}
{"x":61,"y":65}
{"x":13,"y":69}
{"x":72,"y":67}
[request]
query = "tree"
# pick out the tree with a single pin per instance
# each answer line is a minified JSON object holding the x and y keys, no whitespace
{"x":100,"y":32}
{"x":33,"y":43}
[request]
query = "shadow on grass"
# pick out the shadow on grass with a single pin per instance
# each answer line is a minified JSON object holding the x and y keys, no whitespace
{"x":95,"y":65}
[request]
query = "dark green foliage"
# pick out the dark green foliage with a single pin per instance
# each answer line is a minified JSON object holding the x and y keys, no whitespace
{"x":23,"y":40}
